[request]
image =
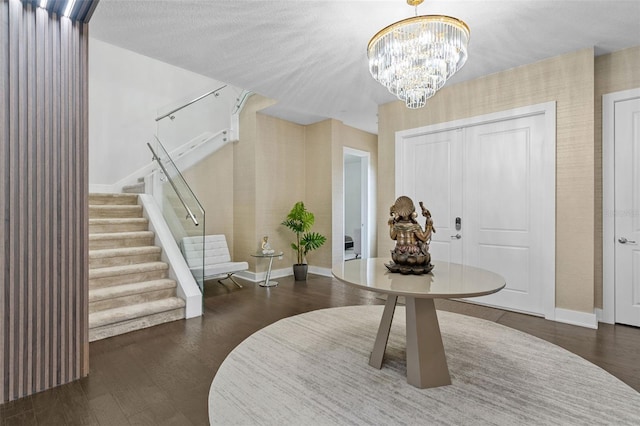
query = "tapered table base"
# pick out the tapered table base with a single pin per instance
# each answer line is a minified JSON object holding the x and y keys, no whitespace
{"x":426,"y":360}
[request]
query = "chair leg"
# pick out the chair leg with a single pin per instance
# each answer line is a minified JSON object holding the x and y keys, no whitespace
{"x":234,"y":281}
{"x":231,"y":278}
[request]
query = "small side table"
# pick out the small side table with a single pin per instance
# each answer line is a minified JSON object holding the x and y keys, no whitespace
{"x":267,"y":281}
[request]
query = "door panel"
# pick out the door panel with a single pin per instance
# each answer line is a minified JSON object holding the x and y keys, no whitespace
{"x":499,"y":198}
{"x":431,"y":176}
{"x":627,"y":208}
{"x":494,"y":257}
{"x":500,"y":160}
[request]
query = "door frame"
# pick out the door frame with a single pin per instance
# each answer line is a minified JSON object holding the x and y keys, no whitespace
{"x":548,"y":109}
{"x":608,"y":314}
{"x":366,"y":199}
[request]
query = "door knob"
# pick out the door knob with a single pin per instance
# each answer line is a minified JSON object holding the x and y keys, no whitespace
{"x":623,"y":240}
{"x":456,"y":237}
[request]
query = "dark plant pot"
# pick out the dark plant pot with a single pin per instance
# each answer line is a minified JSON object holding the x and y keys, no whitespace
{"x":300,"y":271}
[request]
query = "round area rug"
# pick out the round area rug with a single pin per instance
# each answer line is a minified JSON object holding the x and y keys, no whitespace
{"x":313,"y":369}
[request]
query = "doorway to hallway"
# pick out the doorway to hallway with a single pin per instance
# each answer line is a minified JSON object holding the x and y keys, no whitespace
{"x":356,"y":203}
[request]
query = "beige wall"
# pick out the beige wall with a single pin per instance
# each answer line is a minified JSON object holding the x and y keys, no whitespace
{"x":275,"y":164}
{"x":319,"y":178}
{"x":325,"y":187}
{"x":363,"y":141}
{"x":613,"y":73}
{"x":244,"y":178}
{"x":280,"y":183}
{"x":568,"y":80}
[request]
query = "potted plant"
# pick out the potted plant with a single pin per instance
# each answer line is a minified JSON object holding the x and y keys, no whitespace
{"x":300,"y":221}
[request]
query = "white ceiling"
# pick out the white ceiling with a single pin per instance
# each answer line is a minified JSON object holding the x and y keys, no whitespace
{"x":311,"y":55}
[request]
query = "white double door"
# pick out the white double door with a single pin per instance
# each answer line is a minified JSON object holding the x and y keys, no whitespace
{"x":491,"y":198}
{"x":627,"y":209}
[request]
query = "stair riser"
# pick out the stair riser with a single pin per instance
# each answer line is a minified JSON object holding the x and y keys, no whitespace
{"x":134,"y":189}
{"x":120,"y":243}
{"x":132,"y":299}
{"x":117,"y":227}
{"x":97,"y":212}
{"x":113,"y":199}
{"x":127,"y":278}
{"x":105,"y":262}
{"x":136,"y":324}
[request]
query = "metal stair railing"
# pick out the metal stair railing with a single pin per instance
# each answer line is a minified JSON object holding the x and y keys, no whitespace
{"x":173,"y":194}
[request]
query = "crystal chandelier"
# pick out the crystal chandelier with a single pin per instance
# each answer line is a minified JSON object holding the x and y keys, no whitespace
{"x":413,"y":58}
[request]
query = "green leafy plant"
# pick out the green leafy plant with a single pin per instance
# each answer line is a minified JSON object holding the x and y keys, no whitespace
{"x":300,"y":221}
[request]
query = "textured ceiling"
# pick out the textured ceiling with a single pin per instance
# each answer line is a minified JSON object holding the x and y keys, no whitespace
{"x":311,"y":55}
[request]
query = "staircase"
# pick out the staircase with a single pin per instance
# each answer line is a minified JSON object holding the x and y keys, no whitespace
{"x":128,"y":284}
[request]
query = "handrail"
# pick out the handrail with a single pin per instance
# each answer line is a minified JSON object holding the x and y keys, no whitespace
{"x":189,"y":212}
{"x":190,"y":102}
{"x":238,"y":106}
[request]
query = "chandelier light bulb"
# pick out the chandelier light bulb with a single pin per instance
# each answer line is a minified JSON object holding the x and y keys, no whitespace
{"x":413,"y":58}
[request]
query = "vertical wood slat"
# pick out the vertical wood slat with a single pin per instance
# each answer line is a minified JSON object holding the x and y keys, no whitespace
{"x":29,"y":150}
{"x":54,"y":291}
{"x":48,"y":203}
{"x":43,"y":200}
{"x":4,"y":164}
{"x":38,"y":204}
{"x":83,"y":179}
{"x":63,"y":136}
{"x":14,"y":248}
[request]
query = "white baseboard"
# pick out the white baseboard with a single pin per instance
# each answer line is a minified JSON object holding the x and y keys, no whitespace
{"x":603,"y":317}
{"x":325,"y":272}
{"x":582,"y":319}
{"x":282,"y":272}
{"x":260,"y":276}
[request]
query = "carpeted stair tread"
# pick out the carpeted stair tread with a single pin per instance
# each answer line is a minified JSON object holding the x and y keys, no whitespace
{"x":135,"y":324}
{"x":97,"y":211}
{"x":127,"y":269}
{"x":123,"y":235}
{"x":118,"y":225}
{"x":104,"y":240}
{"x":107,"y":257}
{"x":100,"y":221}
{"x":105,"y":293}
{"x":120,"y":235}
{"x":121,"y":199}
{"x":126,"y":313}
{"x":123,"y":251}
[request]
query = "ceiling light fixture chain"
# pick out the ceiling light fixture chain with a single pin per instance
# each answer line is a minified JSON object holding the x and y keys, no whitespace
{"x":415,"y":4}
{"x":413,"y":58}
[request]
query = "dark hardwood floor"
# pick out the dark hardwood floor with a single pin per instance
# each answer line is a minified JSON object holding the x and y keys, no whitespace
{"x":162,"y":375}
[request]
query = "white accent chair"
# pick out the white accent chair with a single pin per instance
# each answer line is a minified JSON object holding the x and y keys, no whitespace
{"x":217,"y":260}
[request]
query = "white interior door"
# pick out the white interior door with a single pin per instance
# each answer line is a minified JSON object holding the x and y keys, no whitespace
{"x":503,"y":196}
{"x":627,"y":208}
{"x":491,"y":191}
{"x":432,"y":173}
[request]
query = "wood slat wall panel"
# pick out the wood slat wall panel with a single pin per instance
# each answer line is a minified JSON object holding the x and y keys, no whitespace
{"x":4,"y":154}
{"x":43,"y":200}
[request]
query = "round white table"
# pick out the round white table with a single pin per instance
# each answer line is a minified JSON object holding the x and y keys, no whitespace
{"x":426,"y":360}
